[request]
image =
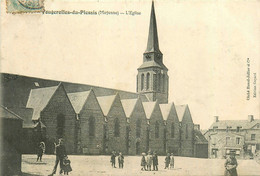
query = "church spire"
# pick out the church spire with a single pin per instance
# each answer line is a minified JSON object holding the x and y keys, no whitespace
{"x":152,"y":44}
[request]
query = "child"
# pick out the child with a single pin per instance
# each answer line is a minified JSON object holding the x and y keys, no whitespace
{"x":66,"y":165}
{"x":172,"y":161}
{"x":143,"y":162}
{"x":167,"y":161}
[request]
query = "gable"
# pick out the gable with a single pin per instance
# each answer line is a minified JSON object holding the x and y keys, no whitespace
{"x":78,"y":100}
{"x":129,"y":106}
{"x":149,"y":108}
{"x":169,"y":112}
{"x":105,"y":103}
{"x":187,"y":116}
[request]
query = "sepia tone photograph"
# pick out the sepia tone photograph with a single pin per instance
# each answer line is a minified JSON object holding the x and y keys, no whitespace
{"x":120,"y":87}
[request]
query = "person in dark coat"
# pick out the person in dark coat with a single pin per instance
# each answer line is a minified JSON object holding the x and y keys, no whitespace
{"x":155,"y":161}
{"x":172,"y":161}
{"x":149,"y":161}
{"x":66,"y":166}
{"x":121,"y":160}
{"x":113,"y":159}
{"x":40,"y":151}
{"x":231,"y":165}
{"x":60,"y":154}
{"x":143,"y":162}
{"x":167,"y":161}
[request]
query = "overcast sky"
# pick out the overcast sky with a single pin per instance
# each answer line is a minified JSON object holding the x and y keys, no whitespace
{"x":205,"y":45}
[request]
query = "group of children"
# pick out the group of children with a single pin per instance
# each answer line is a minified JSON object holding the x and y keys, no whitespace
{"x":120,"y":160}
{"x":152,"y":159}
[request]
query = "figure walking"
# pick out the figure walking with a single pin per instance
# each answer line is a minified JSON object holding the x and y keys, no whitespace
{"x":121,"y":160}
{"x":60,"y":154}
{"x":149,"y":160}
{"x":143,"y":162}
{"x":155,"y":161}
{"x":40,"y":151}
{"x":167,"y":161}
{"x":231,"y":165}
{"x":172,"y":161}
{"x":113,"y":159}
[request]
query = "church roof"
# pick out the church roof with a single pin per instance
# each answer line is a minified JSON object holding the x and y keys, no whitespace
{"x":78,"y":100}
{"x":166,"y":109}
{"x":128,"y":105}
{"x":26,"y":114}
{"x":199,"y":137}
{"x":148,"y":108}
{"x":181,"y":111}
{"x":39,"y":98}
{"x":106,"y":102}
{"x":8,"y":114}
{"x":153,"y":64}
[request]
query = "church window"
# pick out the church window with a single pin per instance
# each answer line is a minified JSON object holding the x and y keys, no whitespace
{"x":142,"y":81}
{"x":163,"y":86}
{"x":138,"y":128}
{"x":116,"y":128}
{"x":60,"y":125}
{"x":159,"y":81}
{"x":156,"y":129}
{"x":186,"y":134}
{"x":172,"y":130}
{"x":148,"y":81}
{"x":91,"y":126}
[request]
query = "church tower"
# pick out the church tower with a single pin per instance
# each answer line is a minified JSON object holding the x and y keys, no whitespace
{"x":152,"y":77}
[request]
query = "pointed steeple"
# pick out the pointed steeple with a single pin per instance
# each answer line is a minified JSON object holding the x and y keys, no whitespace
{"x":152,"y":44}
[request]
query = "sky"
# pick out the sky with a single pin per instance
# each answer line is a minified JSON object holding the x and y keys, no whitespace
{"x":206,"y":46}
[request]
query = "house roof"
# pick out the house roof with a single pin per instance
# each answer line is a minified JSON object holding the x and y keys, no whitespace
{"x":78,"y":100}
{"x":245,"y":124}
{"x":166,"y":109}
{"x":8,"y":114}
{"x":180,"y":109}
{"x":128,"y":105}
{"x":39,"y":98}
{"x":148,"y":108}
{"x":105,"y":103}
{"x":199,"y":137}
{"x":26,"y":115}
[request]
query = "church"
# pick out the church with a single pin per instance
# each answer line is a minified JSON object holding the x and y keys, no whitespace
{"x":95,"y":120}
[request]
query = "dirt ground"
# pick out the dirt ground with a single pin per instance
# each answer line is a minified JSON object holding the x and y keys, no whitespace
{"x":100,"y":166}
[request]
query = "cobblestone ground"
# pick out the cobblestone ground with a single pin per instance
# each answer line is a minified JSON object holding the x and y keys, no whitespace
{"x":100,"y":166}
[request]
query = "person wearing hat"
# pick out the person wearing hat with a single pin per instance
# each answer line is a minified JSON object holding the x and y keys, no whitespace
{"x":60,"y":154}
{"x":231,"y":165}
{"x":143,"y":162}
{"x":113,"y":159}
{"x":121,"y":160}
{"x":155,"y":161}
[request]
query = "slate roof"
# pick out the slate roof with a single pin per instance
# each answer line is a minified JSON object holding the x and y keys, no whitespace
{"x":149,"y":108}
{"x":26,"y":115}
{"x":180,"y":109}
{"x":16,"y":89}
{"x":105,"y":103}
{"x":245,"y":124}
{"x":8,"y":114}
{"x":199,"y":137}
{"x":128,"y":105}
{"x":152,"y":64}
{"x":165,"y":109}
{"x":78,"y":100}
{"x":39,"y":98}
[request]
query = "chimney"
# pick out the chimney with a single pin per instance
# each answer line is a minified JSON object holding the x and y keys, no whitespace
{"x":196,"y":127}
{"x":216,"y":119}
{"x":250,"y":118}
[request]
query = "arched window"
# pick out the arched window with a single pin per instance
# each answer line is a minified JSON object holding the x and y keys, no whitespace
{"x":159,"y":81}
{"x":91,"y":126}
{"x":148,"y":81}
{"x":163,"y":86}
{"x":117,"y":128}
{"x":172,"y":130}
{"x":142,"y":82}
{"x":138,"y":128}
{"x":156,"y":129}
{"x":60,"y":125}
{"x":186,"y":134}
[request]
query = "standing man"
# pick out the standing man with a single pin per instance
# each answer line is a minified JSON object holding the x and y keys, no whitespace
{"x":113,"y":159}
{"x":155,"y":161}
{"x":231,"y":165}
{"x":60,"y":154}
{"x":149,"y":160}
